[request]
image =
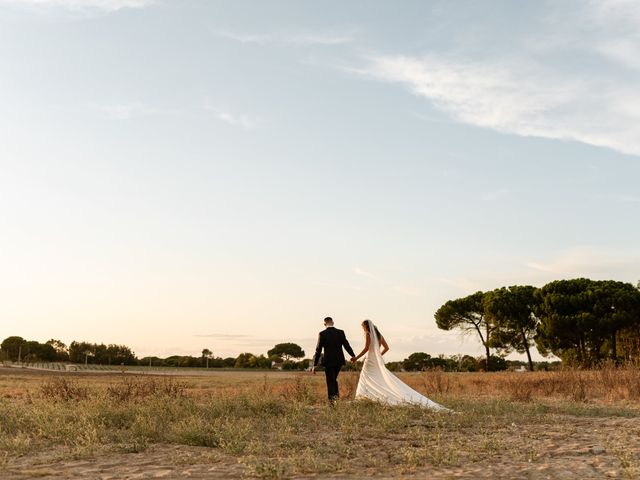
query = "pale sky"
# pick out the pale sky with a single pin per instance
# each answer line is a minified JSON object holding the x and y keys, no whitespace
{"x":179,"y":175}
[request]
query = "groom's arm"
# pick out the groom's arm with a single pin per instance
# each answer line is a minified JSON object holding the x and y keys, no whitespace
{"x":347,"y":347}
{"x":319,"y":346}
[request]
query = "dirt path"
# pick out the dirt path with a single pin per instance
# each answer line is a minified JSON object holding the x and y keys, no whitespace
{"x":159,"y":461}
{"x":581,"y":448}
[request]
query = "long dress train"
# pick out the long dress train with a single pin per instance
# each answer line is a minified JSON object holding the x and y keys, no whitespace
{"x":379,"y":384}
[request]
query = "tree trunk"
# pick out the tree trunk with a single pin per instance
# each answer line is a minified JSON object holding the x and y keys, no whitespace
{"x":581,"y":352}
{"x":484,"y":342}
{"x":614,"y":347}
{"x":526,"y":347}
{"x":488,"y":358}
{"x":487,"y":348}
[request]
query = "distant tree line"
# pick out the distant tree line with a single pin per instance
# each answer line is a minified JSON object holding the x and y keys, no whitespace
{"x":18,"y":349}
{"x":581,"y":321}
{"x":283,"y":355}
{"x":421,"y":361}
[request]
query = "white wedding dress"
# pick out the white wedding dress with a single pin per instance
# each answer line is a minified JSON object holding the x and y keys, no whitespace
{"x":379,"y":384}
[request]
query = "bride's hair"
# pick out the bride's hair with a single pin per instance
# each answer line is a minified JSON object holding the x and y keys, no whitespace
{"x":366,"y":323}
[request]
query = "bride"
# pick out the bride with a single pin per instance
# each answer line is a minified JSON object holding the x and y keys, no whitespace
{"x":379,"y":384}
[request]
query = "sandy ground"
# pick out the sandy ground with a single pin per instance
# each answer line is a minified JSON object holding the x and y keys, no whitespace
{"x":586,"y":448}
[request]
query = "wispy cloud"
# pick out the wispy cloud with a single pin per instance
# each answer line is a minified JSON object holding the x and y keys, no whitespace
{"x":237,"y":120}
{"x":80,"y":5}
{"x":363,"y":273}
{"x":524,"y":99}
{"x":540,"y":266}
{"x":412,"y":292}
{"x":588,"y":261}
{"x":618,"y":22}
{"x":519,"y":91}
{"x":372,"y":282}
{"x":241,"y":120}
{"x":320,"y":38}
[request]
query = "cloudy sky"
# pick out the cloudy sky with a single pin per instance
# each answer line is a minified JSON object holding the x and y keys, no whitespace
{"x":176,"y":175}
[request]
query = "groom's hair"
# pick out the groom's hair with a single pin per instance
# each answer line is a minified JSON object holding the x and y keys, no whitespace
{"x":328,"y":320}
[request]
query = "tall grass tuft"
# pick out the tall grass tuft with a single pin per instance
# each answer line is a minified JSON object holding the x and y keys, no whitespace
{"x":64,"y":389}
{"x":140,"y":388}
{"x":436,"y":381}
{"x":520,"y":387}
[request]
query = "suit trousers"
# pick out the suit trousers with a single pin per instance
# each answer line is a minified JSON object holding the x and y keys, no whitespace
{"x":331,"y":374}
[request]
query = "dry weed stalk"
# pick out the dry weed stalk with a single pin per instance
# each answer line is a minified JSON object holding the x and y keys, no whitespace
{"x":298,"y":389}
{"x":520,"y":387}
{"x":131,"y":389}
{"x":63,"y":389}
{"x":436,"y":381}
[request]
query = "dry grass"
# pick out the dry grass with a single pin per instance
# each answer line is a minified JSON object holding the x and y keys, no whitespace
{"x":610,"y":383}
{"x":277,"y":425}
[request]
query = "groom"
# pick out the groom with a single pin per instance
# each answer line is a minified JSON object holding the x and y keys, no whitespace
{"x":332,"y":341}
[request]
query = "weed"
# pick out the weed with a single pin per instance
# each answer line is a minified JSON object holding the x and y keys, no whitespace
{"x":520,"y":388}
{"x":436,"y":381}
{"x":140,"y":388}
{"x":63,"y":389}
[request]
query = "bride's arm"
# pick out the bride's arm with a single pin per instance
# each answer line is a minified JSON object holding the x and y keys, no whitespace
{"x":365,"y":349}
{"x":385,"y":347}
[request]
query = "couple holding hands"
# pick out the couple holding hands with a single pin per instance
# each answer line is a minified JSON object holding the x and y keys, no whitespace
{"x":376,"y":382}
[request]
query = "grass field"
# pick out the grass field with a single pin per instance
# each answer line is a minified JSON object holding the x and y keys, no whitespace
{"x":570,"y":424}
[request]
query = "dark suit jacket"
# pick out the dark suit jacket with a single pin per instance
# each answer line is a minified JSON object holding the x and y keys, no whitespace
{"x":332,"y":340}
